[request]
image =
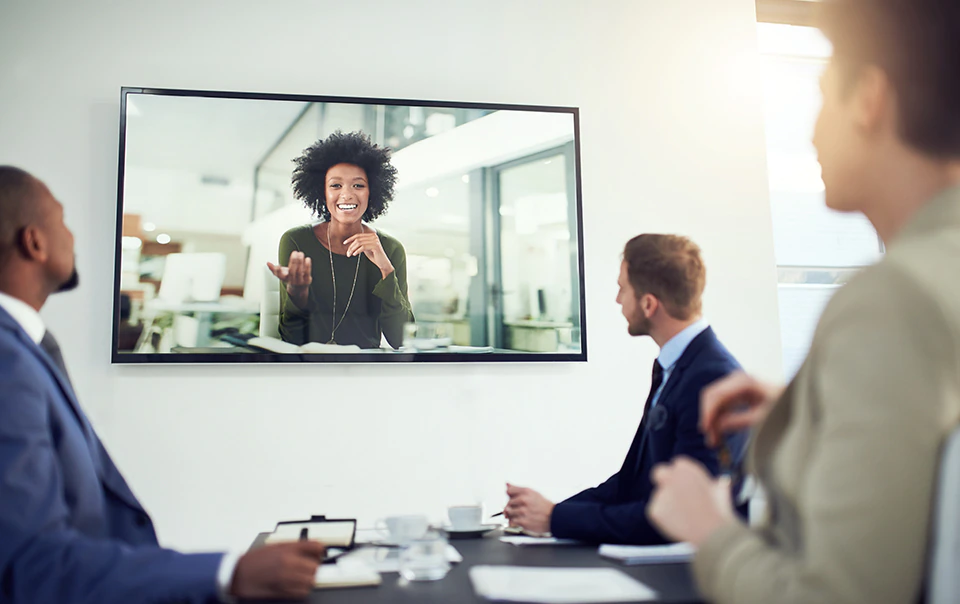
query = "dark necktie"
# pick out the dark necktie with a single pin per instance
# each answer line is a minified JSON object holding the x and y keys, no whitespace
{"x":50,"y":346}
{"x":655,"y":383}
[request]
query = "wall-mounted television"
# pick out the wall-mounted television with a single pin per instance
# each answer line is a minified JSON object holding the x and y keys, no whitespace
{"x":259,"y":228}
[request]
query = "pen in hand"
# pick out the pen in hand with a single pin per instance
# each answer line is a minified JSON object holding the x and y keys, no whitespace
{"x":497,"y":514}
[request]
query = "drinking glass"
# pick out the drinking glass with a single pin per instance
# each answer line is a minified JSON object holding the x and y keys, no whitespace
{"x":425,"y":559}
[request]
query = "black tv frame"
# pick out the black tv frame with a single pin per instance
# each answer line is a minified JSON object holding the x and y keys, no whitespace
{"x":118,"y":357}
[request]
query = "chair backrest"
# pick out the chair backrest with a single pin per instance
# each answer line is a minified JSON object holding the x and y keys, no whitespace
{"x":943,"y":579}
{"x":270,"y":306}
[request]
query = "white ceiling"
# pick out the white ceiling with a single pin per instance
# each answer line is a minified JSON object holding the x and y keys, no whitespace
{"x":217,"y":137}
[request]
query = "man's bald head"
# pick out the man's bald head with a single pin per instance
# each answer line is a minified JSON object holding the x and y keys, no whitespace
{"x":36,"y":247}
{"x":18,"y":205}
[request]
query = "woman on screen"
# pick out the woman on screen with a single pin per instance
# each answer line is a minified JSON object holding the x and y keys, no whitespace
{"x":345,"y":283}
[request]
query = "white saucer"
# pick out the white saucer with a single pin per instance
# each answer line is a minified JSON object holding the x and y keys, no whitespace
{"x":469,"y":533}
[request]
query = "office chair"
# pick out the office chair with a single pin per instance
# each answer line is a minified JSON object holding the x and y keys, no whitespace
{"x":270,"y":306}
{"x":943,"y":580}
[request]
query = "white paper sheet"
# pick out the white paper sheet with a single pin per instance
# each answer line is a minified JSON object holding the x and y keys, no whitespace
{"x":648,"y":554}
{"x":557,"y":585}
{"x":346,"y":573}
{"x":525,"y":540}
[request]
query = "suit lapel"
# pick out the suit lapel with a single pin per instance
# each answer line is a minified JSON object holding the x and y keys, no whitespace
{"x":688,"y":356}
{"x":109,"y":475}
{"x":668,"y":388}
{"x":676,"y":374}
{"x":65,"y":388}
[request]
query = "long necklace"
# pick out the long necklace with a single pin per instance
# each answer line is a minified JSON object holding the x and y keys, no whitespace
{"x":334,"y":323}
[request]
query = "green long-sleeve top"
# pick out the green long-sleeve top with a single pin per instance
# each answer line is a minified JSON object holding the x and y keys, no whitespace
{"x":379,"y":306}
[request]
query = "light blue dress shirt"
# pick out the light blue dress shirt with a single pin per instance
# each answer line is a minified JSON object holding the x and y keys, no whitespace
{"x":673,"y":350}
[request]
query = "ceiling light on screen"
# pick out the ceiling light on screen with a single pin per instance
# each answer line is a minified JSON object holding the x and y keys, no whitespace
{"x":149,"y":227}
{"x":163,"y":238}
{"x":465,"y":178}
{"x":433,"y":192}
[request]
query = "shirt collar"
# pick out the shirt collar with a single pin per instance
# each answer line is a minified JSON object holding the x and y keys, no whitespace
{"x":674,"y":349}
{"x":25,"y":315}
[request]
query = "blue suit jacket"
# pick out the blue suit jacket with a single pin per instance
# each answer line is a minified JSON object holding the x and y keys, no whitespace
{"x":71,"y":531}
{"x":615,"y":511}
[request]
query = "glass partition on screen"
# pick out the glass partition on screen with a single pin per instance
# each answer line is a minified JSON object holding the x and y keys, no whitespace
{"x":479,"y":253}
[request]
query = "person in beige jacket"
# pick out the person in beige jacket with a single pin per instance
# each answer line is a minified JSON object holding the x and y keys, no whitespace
{"x":848,"y":453}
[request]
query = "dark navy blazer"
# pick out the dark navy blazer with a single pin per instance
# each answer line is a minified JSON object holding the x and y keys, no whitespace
{"x":71,"y":531}
{"x":615,"y":511}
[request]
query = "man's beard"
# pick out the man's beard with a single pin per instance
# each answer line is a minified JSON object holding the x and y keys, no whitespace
{"x":71,"y":283}
{"x":640,"y":325}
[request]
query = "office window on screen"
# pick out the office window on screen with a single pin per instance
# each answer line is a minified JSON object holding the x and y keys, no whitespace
{"x":817,"y":249}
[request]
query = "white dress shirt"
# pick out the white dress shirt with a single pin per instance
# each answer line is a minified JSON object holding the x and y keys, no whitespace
{"x":24,"y":314}
{"x":32,"y":323}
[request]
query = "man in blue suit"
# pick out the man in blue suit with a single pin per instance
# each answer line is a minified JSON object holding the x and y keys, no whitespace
{"x":71,"y":530}
{"x":661,"y":281}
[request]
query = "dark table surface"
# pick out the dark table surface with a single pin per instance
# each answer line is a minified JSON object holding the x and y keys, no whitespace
{"x":673,"y":582}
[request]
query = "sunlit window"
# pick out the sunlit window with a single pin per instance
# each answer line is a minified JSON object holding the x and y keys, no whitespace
{"x":817,"y":250}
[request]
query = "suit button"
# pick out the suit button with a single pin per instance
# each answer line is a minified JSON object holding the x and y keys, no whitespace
{"x":142,"y":520}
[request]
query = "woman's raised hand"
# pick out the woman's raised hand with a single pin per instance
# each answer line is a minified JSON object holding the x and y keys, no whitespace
{"x":297,"y":276}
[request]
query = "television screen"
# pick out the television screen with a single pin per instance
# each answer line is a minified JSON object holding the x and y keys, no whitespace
{"x":290,"y":228}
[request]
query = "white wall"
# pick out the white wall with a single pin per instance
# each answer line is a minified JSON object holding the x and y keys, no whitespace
{"x":671,"y":139}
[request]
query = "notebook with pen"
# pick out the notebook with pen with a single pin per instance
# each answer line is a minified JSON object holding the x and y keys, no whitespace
{"x":337,"y":534}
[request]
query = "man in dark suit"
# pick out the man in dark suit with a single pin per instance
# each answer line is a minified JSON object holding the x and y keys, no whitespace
{"x":71,"y":530}
{"x":662,"y":278}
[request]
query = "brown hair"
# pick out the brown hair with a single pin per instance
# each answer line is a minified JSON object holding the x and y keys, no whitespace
{"x":917,"y":45}
{"x":670,"y":268}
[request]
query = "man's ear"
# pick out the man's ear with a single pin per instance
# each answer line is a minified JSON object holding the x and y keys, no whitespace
{"x":649,"y":305}
{"x":872,"y":100}
{"x":32,"y":243}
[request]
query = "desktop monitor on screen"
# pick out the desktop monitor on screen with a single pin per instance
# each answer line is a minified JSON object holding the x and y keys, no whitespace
{"x":476,"y":209}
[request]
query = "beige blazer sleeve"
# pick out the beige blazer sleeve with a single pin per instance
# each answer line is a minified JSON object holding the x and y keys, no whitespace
{"x":849,"y":456}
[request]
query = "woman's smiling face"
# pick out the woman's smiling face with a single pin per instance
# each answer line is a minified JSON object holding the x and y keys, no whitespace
{"x":348,"y":192}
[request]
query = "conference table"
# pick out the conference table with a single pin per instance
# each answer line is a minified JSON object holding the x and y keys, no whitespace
{"x":673,"y":582}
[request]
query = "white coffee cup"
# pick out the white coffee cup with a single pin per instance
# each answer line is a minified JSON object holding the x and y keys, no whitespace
{"x":403,"y":529}
{"x":465,"y":517}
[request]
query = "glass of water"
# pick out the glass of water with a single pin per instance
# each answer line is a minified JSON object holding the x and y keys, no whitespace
{"x":425,"y":559}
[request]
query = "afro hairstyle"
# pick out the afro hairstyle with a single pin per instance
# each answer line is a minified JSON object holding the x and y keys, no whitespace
{"x":356,"y":148}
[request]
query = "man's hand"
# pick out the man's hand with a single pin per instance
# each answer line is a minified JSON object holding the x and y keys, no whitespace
{"x":528,"y":509}
{"x":283,"y":570}
{"x":734,"y":403}
{"x":688,"y":505}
